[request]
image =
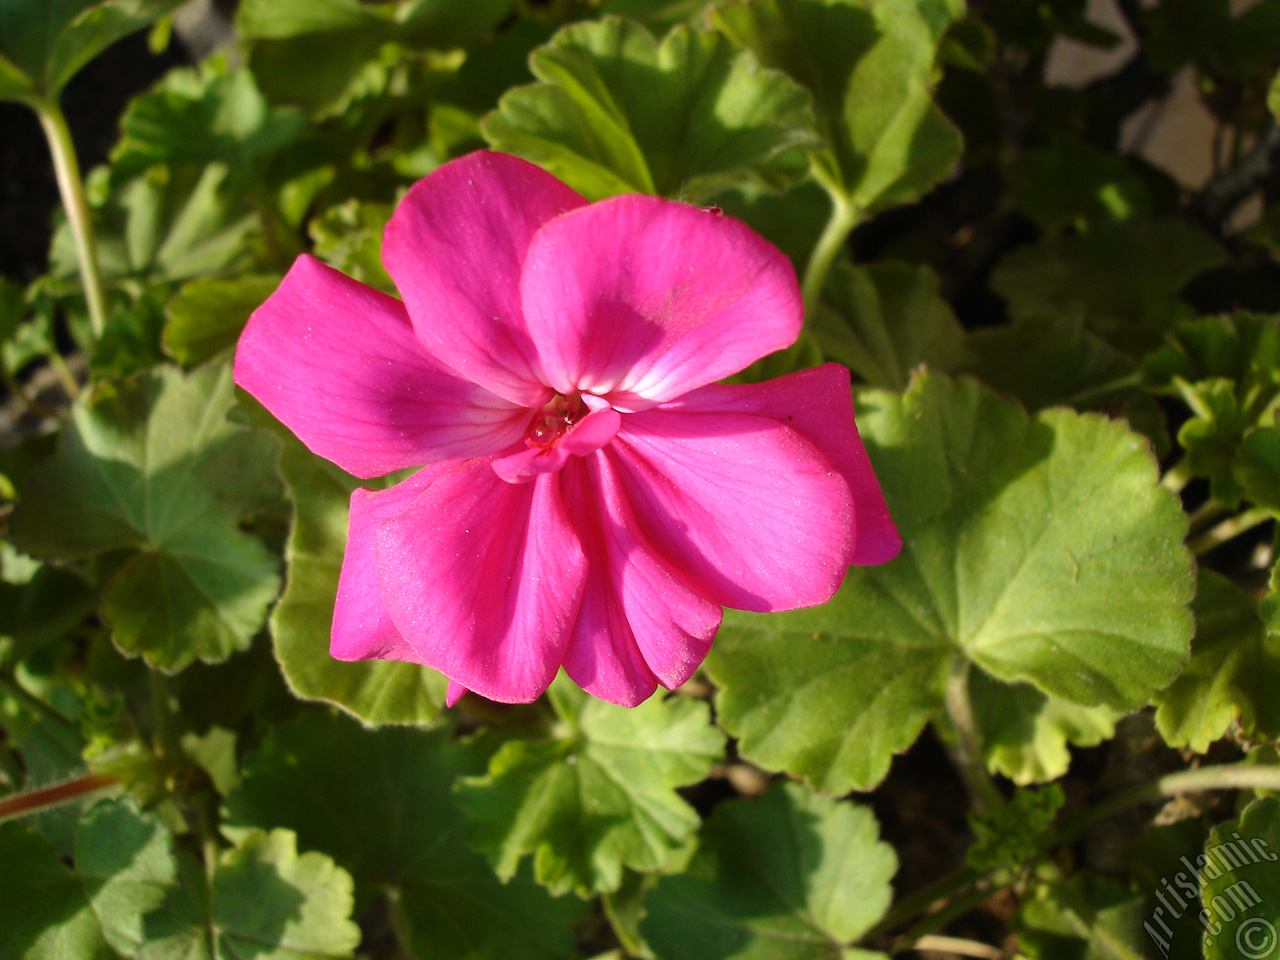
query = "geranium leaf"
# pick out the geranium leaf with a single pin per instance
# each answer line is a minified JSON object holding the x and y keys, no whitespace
{"x":1025,"y":732}
{"x":380,"y":803}
{"x":207,"y":314}
{"x":611,"y":95}
{"x":1234,"y":667}
{"x":94,"y":908}
{"x":884,"y":319}
{"x":1040,"y":549}
{"x":154,"y":467}
{"x":1123,"y":278}
{"x":1239,"y":884}
{"x":871,"y":69}
{"x":265,"y":900}
{"x":376,"y":691}
{"x":596,"y":799}
{"x":44,"y":43}
{"x":786,"y":876}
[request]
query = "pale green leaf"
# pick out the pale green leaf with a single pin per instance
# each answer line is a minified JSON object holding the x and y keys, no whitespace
{"x":1041,"y":549}
{"x":619,"y":112}
{"x":207,"y":315}
{"x":597,"y":798}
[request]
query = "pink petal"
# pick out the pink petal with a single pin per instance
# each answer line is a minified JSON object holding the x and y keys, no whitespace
{"x":362,"y":628}
{"x":641,"y":623}
{"x":483,"y":579}
{"x":455,"y":693}
{"x":338,"y":364}
{"x":640,"y":299}
{"x":586,"y":436}
{"x":818,"y":405}
{"x":455,"y":247}
{"x":746,"y":508}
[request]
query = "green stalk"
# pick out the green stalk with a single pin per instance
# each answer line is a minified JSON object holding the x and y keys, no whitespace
{"x":34,"y":704}
{"x":844,"y":217}
{"x":967,"y":752}
{"x":67,"y":170}
{"x":1228,"y":529}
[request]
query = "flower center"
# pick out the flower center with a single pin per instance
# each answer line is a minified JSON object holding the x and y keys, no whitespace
{"x":556,"y":417}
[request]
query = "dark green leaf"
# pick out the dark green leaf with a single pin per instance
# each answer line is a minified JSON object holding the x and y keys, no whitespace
{"x":207,"y":315}
{"x":1240,"y":885}
{"x":380,"y":803}
{"x":786,"y":876}
{"x":154,"y":467}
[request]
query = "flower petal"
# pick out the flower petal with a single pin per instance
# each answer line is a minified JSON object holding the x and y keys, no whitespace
{"x":338,"y":364}
{"x":640,"y":299}
{"x":818,"y":405}
{"x":483,"y":579}
{"x":362,"y":628}
{"x":640,"y":623}
{"x":746,"y":508}
{"x":455,"y":247}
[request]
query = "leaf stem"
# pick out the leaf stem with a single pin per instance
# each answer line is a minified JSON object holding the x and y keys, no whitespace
{"x":1177,"y":476}
{"x":67,"y":170}
{"x":1227,"y":530}
{"x":844,"y":217}
{"x":63,"y":372}
{"x":940,"y":918}
{"x":967,"y":752}
{"x":959,"y":945}
{"x":11,"y":686}
{"x":33,"y":801}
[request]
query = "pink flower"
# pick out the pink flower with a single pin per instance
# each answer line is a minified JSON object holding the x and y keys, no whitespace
{"x":586,"y":498}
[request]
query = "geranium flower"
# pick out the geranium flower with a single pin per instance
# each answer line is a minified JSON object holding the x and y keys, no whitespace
{"x":587,"y":497}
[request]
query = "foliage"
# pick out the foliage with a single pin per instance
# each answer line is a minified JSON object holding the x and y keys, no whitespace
{"x":1067,"y":371}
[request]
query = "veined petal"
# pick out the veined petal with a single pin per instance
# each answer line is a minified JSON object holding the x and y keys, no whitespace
{"x":455,"y":247}
{"x":745,"y":508}
{"x":362,"y":628}
{"x":641,"y":623}
{"x":483,"y":579}
{"x":818,"y":405}
{"x":338,"y":364}
{"x":640,"y":299}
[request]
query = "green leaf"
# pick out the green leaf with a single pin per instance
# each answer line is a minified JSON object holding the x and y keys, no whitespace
{"x":380,"y":803}
{"x":1009,"y":838}
{"x":44,"y":43}
{"x":154,"y":467}
{"x":1072,"y":182}
{"x":884,"y":319}
{"x":376,"y":691}
{"x":1042,"y":549}
{"x":1258,"y":467}
{"x":617,"y":112}
{"x":348,"y":237}
{"x":1240,"y":886}
{"x":94,"y":909}
{"x":597,"y":798}
{"x":786,"y":875}
{"x":265,"y":901}
{"x":207,"y":315}
{"x":42,"y":610}
{"x":1227,"y":370}
{"x":1025,"y":733}
{"x":199,"y":116}
{"x":1123,"y":278}
{"x":313,"y":52}
{"x":1233,"y":671}
{"x":1089,"y":917}
{"x":871,"y":69}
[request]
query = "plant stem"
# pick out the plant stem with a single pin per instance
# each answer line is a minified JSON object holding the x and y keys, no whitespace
{"x":11,"y":686}
{"x":844,"y":217}
{"x":33,"y":801}
{"x":68,"y":379}
{"x":1228,"y":529}
{"x":940,"y":918}
{"x":28,"y":403}
{"x":923,"y":899}
{"x":1177,"y":476}
{"x":967,"y":752}
{"x":959,"y":945}
{"x":67,"y":170}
